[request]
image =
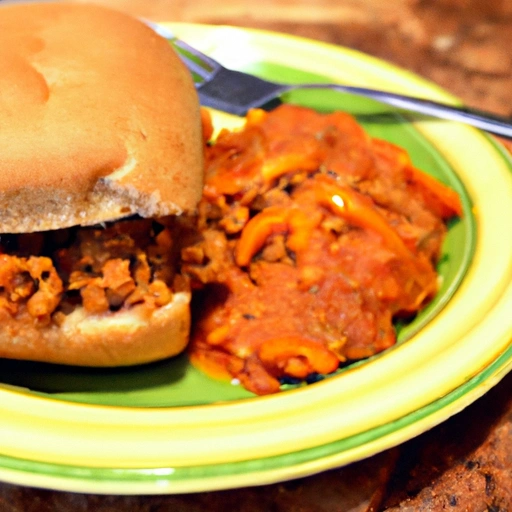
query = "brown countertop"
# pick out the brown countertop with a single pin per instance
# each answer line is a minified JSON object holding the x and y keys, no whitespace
{"x":465,"y":463}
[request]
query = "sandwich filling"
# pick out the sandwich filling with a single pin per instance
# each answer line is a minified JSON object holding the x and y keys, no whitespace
{"x":102,"y":269}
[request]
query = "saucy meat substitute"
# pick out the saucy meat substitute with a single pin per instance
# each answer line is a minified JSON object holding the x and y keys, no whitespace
{"x":313,"y":237}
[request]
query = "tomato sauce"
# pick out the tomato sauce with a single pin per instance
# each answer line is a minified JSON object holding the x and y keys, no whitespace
{"x":312,"y":238}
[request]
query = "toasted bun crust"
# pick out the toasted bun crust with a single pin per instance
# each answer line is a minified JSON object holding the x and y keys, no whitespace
{"x":99,"y":119}
{"x":123,"y":338}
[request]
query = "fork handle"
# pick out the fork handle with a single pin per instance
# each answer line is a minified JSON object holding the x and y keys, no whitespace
{"x":486,"y":121}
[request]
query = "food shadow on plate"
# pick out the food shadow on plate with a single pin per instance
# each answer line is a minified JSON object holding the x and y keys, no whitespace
{"x":54,"y":378}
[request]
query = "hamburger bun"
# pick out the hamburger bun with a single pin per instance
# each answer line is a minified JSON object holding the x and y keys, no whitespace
{"x":124,"y":338}
{"x":100,"y":121}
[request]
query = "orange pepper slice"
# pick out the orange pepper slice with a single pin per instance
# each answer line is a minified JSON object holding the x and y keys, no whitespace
{"x":286,"y":351}
{"x":448,"y":198}
{"x":273,"y":220}
{"x":356,"y":208}
{"x":276,"y":166}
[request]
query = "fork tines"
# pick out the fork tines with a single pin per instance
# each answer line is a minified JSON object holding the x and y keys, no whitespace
{"x":203,"y":66}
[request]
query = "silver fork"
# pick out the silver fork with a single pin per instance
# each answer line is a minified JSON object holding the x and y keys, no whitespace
{"x":236,"y":92}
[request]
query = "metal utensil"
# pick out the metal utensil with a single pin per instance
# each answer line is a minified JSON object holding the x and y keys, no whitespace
{"x":236,"y":92}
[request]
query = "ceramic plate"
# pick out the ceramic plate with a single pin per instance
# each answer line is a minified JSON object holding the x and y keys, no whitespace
{"x":166,"y":428}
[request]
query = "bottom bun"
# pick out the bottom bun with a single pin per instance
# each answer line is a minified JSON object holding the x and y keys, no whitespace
{"x":124,"y":338}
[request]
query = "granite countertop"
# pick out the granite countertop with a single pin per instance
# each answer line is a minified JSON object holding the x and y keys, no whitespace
{"x":464,"y":463}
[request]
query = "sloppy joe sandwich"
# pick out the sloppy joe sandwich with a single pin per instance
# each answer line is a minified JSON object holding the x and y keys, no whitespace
{"x":101,"y":149}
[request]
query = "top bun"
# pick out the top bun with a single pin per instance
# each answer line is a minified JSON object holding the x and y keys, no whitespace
{"x":99,"y":119}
